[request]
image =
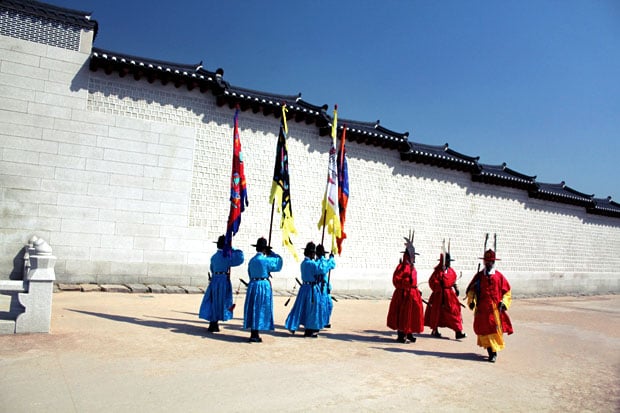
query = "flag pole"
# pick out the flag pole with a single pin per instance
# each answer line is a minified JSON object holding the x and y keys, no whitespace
{"x":324,"y":222}
{"x":273,"y":204}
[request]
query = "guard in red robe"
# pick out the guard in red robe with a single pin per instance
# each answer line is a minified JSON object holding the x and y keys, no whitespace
{"x":444,"y":309}
{"x":406,"y":314}
{"x":489,"y":296}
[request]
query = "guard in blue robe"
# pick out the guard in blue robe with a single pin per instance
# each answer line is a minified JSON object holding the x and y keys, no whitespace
{"x":307,"y":310}
{"x":217,"y":302}
{"x":258,"y":308}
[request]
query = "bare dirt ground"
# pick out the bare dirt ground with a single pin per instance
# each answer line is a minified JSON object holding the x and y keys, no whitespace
{"x":114,"y":352}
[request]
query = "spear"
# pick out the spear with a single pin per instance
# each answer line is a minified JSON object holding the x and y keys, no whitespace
{"x":292,"y":294}
{"x":232,"y":307}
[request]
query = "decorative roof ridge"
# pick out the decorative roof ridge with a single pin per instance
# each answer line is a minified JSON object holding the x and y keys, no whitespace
{"x":440,"y":151}
{"x":503,"y":172}
{"x":369,"y":128}
{"x":606,"y":200}
{"x":280,"y":98}
{"x":543,"y":187}
{"x":403,"y":135}
{"x":509,"y":171}
{"x":604,"y":206}
{"x":574,"y":191}
{"x":322,"y":108}
{"x":196,"y":67}
{"x":452,"y":152}
{"x":519,"y":174}
{"x":69,"y":16}
{"x":371,"y":125}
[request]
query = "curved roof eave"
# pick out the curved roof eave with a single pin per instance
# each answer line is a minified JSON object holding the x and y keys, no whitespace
{"x":442,"y":156}
{"x":605,"y":206}
{"x":369,"y":133}
{"x":561,"y":193}
{"x":502,"y":175}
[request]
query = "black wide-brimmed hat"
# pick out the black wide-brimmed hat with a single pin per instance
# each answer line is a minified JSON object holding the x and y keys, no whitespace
{"x":221,"y":241}
{"x":261,"y":244}
{"x":320,"y":250}
{"x":310,"y":248}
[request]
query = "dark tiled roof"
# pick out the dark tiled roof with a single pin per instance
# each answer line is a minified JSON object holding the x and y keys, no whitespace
{"x":605,"y":206}
{"x":369,"y":133}
{"x":190,"y":75}
{"x":502,"y":175}
{"x":561,"y":193}
{"x":270,"y":103}
{"x":441,"y":156}
{"x":48,"y":11}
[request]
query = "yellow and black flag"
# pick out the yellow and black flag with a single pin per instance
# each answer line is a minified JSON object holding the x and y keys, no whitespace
{"x":281,"y":188}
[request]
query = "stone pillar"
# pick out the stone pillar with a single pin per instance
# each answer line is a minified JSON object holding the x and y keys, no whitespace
{"x":39,"y":283}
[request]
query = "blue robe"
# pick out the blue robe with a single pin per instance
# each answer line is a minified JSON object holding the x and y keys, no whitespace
{"x":325,"y":266}
{"x":307,"y":310}
{"x":258,"y":308}
{"x":218,"y":299}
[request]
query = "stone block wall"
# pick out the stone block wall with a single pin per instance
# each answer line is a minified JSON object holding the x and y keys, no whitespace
{"x":130,"y":182}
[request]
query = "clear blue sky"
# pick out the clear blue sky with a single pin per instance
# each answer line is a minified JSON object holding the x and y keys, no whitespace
{"x":533,"y":83}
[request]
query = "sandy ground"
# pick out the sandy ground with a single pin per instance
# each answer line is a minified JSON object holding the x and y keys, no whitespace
{"x":114,"y":352}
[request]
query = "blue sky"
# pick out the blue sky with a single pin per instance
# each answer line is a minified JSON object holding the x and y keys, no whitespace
{"x":535,"y":84}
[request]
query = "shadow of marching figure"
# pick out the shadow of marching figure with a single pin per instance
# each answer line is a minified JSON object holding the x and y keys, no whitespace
{"x":440,"y":354}
{"x":371,"y":336}
{"x":179,"y":326}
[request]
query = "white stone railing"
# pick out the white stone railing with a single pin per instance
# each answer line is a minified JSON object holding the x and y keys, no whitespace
{"x":34,"y":292}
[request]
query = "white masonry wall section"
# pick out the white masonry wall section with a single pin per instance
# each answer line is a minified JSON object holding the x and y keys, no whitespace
{"x":129,"y":182}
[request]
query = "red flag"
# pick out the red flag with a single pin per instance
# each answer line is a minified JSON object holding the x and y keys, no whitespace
{"x":238,"y":190}
{"x":343,"y":187}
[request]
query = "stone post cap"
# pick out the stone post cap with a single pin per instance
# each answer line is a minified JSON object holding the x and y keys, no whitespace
{"x":41,"y":247}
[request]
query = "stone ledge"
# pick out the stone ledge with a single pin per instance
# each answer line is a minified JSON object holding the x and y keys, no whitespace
{"x":69,"y":287}
{"x":174,"y":289}
{"x":185,"y":289}
{"x":190,"y":289}
{"x":156,"y":288}
{"x":138,"y":288}
{"x":114,"y":288}
{"x":86,"y":288}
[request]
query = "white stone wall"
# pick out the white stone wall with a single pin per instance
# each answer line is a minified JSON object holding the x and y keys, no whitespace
{"x":129,"y":182}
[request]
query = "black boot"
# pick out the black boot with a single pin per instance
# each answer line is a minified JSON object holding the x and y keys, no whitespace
{"x":492,"y":355}
{"x":435,"y":333}
{"x":401,"y":337}
{"x":254,"y":337}
{"x":460,"y":335}
{"x":311,"y":333}
{"x":410,"y":337}
{"x":214,"y":327}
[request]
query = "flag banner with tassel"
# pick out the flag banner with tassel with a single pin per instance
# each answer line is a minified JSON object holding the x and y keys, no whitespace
{"x":238,"y":189}
{"x":343,"y":187}
{"x":330,"y":216}
{"x":281,"y":190}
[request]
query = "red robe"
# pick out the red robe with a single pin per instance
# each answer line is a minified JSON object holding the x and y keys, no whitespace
{"x":406,"y":313}
{"x":443,"y":309}
{"x":488,"y":291}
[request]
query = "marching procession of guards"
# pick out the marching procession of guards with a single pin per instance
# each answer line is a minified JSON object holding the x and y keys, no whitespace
{"x":488,"y":295}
